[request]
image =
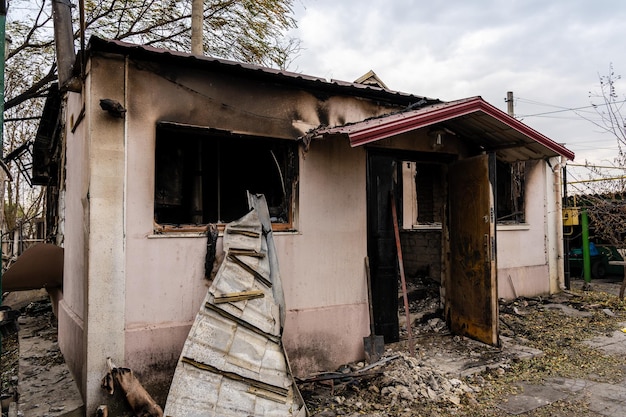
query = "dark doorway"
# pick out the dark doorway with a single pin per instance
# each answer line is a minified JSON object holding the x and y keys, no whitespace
{"x":381,"y":174}
{"x":469,"y":256}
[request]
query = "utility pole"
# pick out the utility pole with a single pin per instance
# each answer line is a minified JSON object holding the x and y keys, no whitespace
{"x":197,"y":17}
{"x":3,"y":18}
{"x":64,"y":40}
{"x":509,"y":103}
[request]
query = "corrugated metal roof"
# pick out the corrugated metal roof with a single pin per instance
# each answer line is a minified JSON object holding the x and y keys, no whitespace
{"x":97,"y":44}
{"x":471,"y":119}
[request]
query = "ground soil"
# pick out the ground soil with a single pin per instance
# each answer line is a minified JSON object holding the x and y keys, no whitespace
{"x":9,"y":364}
{"x":533,"y":322}
{"x":401,"y":384}
{"x":9,"y":367}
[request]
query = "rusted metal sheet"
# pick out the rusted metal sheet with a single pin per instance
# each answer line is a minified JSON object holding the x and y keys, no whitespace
{"x":471,"y":291}
{"x":40,"y":266}
{"x":233,"y":362}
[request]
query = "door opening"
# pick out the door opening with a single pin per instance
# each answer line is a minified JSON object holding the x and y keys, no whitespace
{"x":447,"y":232}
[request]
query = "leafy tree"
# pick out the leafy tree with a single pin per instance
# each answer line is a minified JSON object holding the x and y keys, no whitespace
{"x":251,"y":31}
{"x":245,"y":30}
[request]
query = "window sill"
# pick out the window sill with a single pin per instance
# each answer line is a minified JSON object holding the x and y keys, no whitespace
{"x":168,"y":235}
{"x":196,"y":234}
{"x":513,"y":227}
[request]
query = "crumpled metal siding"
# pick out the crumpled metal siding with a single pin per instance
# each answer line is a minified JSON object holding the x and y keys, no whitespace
{"x":233,"y":362}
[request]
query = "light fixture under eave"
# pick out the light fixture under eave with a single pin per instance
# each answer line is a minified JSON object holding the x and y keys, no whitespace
{"x":438,"y":141}
{"x":439,"y":136}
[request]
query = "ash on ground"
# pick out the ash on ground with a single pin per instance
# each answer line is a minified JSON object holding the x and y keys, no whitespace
{"x":543,"y":337}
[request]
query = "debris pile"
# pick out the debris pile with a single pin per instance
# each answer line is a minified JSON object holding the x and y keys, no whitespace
{"x":410,"y":380}
{"x":424,"y":306}
{"x":397,"y":382}
{"x":433,"y":384}
{"x":429,"y":384}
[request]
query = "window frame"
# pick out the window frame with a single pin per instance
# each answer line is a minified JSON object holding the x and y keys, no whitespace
{"x":511,"y":192}
{"x":179,"y":136}
{"x":409,"y":173}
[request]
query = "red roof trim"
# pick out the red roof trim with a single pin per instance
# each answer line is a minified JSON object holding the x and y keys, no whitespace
{"x":376,"y":129}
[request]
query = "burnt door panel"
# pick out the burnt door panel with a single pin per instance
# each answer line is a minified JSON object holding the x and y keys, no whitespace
{"x":470,"y":289}
{"x":382,"y":247}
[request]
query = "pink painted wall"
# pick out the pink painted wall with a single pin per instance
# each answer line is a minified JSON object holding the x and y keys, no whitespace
{"x":323,"y":265}
{"x":134,"y":294}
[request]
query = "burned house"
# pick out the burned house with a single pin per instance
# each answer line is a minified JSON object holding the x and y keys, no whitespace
{"x":158,"y":148}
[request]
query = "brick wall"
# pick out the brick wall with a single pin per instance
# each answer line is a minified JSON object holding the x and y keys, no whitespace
{"x":421,"y":253}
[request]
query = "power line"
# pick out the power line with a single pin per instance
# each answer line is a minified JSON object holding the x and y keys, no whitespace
{"x":548,"y":116}
{"x":562,"y":109}
{"x":597,"y":180}
{"x":558,"y":111}
{"x":575,"y":146}
{"x":595,"y":166}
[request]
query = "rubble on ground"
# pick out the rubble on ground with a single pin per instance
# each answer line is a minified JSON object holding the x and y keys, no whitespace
{"x":403,"y":385}
{"x":402,"y":382}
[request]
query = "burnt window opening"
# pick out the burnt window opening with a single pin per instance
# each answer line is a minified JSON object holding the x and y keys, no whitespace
{"x":202,"y":176}
{"x":510,"y":184}
{"x":423,"y":195}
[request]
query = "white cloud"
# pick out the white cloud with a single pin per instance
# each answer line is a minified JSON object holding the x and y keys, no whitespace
{"x":548,"y":53}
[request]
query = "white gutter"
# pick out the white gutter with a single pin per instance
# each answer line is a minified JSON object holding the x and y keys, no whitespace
{"x":558,"y":197}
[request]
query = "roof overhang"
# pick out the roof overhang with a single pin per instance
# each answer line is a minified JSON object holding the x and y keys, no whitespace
{"x":472,"y":119}
{"x":207,"y":63}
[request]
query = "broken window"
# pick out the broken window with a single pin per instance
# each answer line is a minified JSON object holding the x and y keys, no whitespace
{"x":202,"y":176}
{"x":422,"y":194}
{"x":510,"y":179}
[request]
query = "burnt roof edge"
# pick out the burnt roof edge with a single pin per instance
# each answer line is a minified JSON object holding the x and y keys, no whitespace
{"x":97,"y":44}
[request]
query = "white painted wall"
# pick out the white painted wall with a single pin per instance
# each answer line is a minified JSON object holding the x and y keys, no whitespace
{"x":105,"y":311}
{"x":71,"y":308}
{"x":525,"y":253}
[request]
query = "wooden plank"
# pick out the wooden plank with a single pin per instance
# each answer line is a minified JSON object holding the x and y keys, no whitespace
{"x":402,"y":278}
{"x":238,"y":296}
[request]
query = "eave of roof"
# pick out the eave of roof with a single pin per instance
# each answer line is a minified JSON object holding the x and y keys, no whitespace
{"x":97,"y":44}
{"x":472,"y":112}
{"x":375,"y":129}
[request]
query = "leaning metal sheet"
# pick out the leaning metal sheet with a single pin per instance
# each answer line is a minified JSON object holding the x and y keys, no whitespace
{"x":233,"y":362}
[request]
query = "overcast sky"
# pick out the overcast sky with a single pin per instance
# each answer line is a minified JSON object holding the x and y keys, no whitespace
{"x":549,"y":53}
